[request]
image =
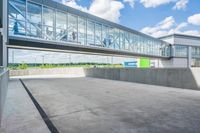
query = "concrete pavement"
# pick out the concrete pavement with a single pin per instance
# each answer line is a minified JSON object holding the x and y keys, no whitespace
{"x":20,"y":114}
{"x":89,"y":105}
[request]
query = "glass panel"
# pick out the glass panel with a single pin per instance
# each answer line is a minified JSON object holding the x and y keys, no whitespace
{"x":196,"y":52}
{"x":48,"y":31}
{"x":181,"y":51}
{"x":61,"y":26}
{"x":90,"y":33}
{"x":34,"y":15}
{"x":61,"y":35}
{"x":17,"y":24}
{"x":17,"y":27}
{"x":48,"y":16}
{"x":72,"y":28}
{"x":98,"y":39}
{"x":61,"y":20}
{"x":114,"y":36}
{"x":48,"y":22}
{"x":122,"y":40}
{"x":82,"y":31}
{"x":34,"y":30}
{"x":126,"y":40}
{"x":105,"y":36}
{"x":17,"y":9}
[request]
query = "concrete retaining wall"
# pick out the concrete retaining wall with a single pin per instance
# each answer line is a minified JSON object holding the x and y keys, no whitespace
{"x":171,"y":77}
{"x":4,"y":77}
{"x":52,"y":71}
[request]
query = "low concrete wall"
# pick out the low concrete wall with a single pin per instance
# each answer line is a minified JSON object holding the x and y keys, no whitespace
{"x":171,"y":77}
{"x":4,"y":77}
{"x":52,"y":71}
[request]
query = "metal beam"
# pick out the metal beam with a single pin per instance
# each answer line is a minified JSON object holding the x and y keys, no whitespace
{"x":4,"y":32}
{"x":1,"y":50}
{"x":1,"y":13}
{"x":33,"y":43}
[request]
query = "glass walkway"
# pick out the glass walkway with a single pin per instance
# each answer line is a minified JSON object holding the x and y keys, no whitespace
{"x":47,"y":20}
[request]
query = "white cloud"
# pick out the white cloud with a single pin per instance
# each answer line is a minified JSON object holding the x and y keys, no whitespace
{"x":130,"y":2}
{"x":107,"y":9}
{"x":72,"y":3}
{"x":181,"y":4}
{"x":154,"y":3}
{"x":168,"y":26}
{"x":167,"y":23}
{"x":195,"y":19}
{"x":161,"y":28}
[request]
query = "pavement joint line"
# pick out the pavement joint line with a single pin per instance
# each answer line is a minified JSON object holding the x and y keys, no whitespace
{"x":44,"y":116}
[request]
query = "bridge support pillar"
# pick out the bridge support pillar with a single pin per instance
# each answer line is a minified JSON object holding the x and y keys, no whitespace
{"x":3,"y":33}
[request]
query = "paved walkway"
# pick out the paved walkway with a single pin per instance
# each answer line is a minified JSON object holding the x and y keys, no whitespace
{"x":20,"y":114}
{"x":89,"y":105}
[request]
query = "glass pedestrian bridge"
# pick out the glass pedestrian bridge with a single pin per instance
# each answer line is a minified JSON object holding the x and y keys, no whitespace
{"x":52,"y":22}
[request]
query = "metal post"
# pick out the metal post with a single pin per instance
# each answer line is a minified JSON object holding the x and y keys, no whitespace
{"x":3,"y":33}
{"x":13,"y":57}
{"x":189,"y":60}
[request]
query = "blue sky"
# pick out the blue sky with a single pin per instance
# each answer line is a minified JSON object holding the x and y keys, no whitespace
{"x":154,"y":17}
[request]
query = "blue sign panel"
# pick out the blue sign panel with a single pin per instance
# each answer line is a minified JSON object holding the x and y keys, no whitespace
{"x":131,"y":64}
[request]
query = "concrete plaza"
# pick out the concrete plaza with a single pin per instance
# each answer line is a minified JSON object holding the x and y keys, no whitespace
{"x":91,"y":105}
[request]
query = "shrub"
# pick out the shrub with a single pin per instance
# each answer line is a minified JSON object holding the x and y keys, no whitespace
{"x":23,"y":66}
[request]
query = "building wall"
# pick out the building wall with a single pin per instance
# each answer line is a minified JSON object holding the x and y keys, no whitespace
{"x":187,"y":41}
{"x":169,"y":40}
{"x":172,"y":77}
{"x":173,"y":63}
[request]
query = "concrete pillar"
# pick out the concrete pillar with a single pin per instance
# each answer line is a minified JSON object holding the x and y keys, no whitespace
{"x":3,"y":32}
{"x":189,"y":54}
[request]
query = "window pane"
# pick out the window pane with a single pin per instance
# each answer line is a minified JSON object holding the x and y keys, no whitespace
{"x":105,"y":36}
{"x":61,"y":20}
{"x":122,"y":40}
{"x":48,"y":33}
{"x":17,"y":9}
{"x":126,"y":40}
{"x":34,"y":30}
{"x":48,"y":16}
{"x":90,"y":33}
{"x":98,"y":39}
{"x":72,"y":27}
{"x":34,"y":15}
{"x":114,"y":36}
{"x":61,"y":26}
{"x":48,"y":23}
{"x":181,"y":51}
{"x":82,"y":31}
{"x":17,"y":24}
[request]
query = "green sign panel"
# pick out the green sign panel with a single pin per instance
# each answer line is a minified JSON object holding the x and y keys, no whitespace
{"x":144,"y":63}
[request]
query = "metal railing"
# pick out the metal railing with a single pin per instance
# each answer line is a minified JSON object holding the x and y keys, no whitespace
{"x":4,"y":78}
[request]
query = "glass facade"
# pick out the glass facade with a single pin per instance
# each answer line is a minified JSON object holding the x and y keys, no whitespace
{"x":196,"y":52}
{"x":181,"y":51}
{"x":29,"y":19}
